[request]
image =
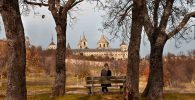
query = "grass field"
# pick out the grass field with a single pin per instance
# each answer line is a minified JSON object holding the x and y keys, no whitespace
{"x":107,"y":97}
{"x":110,"y":96}
{"x":40,"y":89}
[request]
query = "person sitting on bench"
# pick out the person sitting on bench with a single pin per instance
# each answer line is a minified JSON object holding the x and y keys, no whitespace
{"x":105,"y":72}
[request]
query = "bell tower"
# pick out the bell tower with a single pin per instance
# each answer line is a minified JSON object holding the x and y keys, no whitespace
{"x":82,"y":43}
{"x":103,"y":43}
{"x":123,"y":46}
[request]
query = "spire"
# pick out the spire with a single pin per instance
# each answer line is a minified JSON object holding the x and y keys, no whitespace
{"x":68,"y":46}
{"x":52,"y":39}
{"x":84,"y":38}
{"x":52,"y":42}
{"x":52,"y":45}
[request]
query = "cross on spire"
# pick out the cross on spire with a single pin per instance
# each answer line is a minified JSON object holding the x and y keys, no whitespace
{"x":52,"y":39}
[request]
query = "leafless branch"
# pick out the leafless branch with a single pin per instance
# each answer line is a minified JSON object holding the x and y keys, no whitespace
{"x":181,"y":25}
{"x":77,"y":2}
{"x":155,"y":13}
{"x":149,"y":28}
{"x":166,"y":14}
{"x":36,"y":3}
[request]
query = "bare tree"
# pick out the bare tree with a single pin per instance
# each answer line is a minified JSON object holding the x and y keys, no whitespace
{"x":125,"y":17}
{"x":16,"y":86}
{"x":132,"y":82}
{"x":160,"y":27}
{"x":59,"y":10}
{"x":163,"y":19}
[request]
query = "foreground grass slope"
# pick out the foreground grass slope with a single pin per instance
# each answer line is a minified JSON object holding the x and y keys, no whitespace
{"x":170,"y":96}
{"x":40,"y":89}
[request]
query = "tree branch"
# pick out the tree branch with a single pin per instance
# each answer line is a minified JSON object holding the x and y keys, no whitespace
{"x":52,"y":8}
{"x":149,"y":28}
{"x":125,"y":13}
{"x":35,"y":3}
{"x":68,"y":6}
{"x":155,"y":13}
{"x":182,"y":24}
{"x":76,"y":3}
{"x":166,"y":14}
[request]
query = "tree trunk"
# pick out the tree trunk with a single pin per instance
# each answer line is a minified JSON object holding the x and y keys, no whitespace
{"x":60,"y":78}
{"x":131,"y":91}
{"x":154,"y":88}
{"x":16,"y":86}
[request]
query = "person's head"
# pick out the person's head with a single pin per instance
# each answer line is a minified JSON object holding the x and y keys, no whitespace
{"x":106,"y":65}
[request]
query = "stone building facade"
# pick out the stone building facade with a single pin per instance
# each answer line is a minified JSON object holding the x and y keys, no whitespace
{"x":103,"y":49}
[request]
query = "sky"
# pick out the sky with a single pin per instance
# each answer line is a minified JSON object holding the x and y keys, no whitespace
{"x":89,"y":21}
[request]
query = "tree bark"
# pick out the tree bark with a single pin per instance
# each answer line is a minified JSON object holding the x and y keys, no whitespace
{"x":154,"y":88}
{"x":60,"y":78}
{"x":131,"y":91}
{"x":16,"y":85}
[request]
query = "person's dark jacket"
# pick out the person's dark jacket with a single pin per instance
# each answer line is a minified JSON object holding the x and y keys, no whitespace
{"x":109,"y":73}
{"x":103,"y":73}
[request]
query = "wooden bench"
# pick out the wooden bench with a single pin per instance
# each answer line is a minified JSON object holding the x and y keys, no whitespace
{"x":115,"y":81}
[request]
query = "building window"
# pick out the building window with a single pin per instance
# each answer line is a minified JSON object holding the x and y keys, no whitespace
{"x":104,"y":45}
{"x":84,"y":43}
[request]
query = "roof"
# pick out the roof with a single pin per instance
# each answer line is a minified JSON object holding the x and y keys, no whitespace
{"x":52,"y":43}
{"x":103,"y":39}
{"x":123,"y":43}
{"x":95,"y":50}
{"x":84,"y":38}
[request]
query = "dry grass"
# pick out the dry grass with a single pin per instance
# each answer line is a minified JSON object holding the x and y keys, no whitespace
{"x":107,"y":97}
{"x":40,"y":89}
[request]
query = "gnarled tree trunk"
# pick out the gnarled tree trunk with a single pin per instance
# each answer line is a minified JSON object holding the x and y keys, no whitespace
{"x":154,"y":88}
{"x":60,"y":78}
{"x":131,"y":91}
{"x":16,"y":86}
{"x":59,"y":12}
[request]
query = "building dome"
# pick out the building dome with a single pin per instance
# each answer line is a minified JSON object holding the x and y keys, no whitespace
{"x":52,"y":43}
{"x":123,"y":43}
{"x":103,"y":40}
{"x":103,"y":43}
